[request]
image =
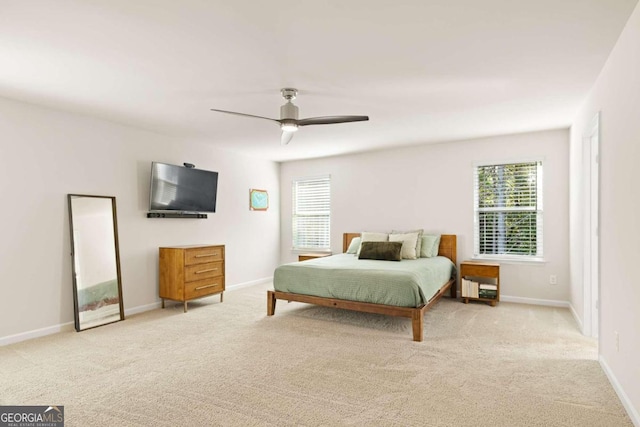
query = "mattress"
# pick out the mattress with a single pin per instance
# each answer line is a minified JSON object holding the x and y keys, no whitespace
{"x":406,"y":283}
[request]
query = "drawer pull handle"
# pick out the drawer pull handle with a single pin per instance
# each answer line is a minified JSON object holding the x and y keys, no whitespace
{"x":204,"y":287}
{"x":206,"y":255}
{"x":207,"y":270}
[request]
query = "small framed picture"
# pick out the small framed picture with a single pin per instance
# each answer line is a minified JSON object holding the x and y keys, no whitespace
{"x":258,"y":200}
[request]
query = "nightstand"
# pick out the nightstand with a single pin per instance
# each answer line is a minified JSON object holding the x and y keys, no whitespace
{"x":304,"y":257}
{"x":480,"y":281}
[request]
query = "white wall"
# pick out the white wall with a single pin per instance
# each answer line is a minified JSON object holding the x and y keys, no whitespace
{"x":617,"y":95}
{"x":431,"y":187}
{"x":46,"y":154}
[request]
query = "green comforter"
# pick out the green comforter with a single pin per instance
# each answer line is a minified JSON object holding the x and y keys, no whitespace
{"x":408,"y":283}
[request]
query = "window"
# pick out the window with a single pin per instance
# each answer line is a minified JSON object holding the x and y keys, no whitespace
{"x":312,"y":213}
{"x":508,"y":211}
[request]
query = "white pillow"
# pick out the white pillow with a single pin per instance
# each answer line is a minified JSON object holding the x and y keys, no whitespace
{"x":409,"y":243}
{"x":354,"y":245}
{"x":419,"y":245}
{"x":367,"y":236}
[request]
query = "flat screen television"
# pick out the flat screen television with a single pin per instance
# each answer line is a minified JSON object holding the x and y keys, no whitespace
{"x":182,"y":189}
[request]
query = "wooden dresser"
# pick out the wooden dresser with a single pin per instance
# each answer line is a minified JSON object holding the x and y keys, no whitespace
{"x":190,"y":272}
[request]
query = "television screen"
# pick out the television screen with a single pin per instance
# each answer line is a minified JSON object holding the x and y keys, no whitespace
{"x":177,"y":188}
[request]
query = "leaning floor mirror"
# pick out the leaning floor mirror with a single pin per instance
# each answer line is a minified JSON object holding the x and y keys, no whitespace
{"x":97,"y":285}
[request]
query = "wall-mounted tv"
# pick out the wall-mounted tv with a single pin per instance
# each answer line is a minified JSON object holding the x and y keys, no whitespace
{"x":182,"y":189}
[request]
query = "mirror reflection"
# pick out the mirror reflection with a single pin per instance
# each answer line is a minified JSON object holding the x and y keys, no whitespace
{"x":96,"y":264}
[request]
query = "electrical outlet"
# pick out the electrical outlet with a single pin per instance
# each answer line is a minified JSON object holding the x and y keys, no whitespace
{"x":553,"y":279}
{"x":617,"y":336}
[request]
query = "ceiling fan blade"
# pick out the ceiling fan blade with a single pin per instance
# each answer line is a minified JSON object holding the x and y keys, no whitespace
{"x":329,"y":120}
{"x":286,"y":137}
{"x":245,"y":115}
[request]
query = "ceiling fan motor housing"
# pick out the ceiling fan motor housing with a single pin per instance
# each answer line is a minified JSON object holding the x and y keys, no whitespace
{"x":289,"y":111}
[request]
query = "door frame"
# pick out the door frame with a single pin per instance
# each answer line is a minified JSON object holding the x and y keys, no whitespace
{"x":591,"y":221}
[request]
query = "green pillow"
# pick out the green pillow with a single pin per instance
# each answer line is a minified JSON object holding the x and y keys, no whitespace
{"x":384,"y":251}
{"x":430,"y":245}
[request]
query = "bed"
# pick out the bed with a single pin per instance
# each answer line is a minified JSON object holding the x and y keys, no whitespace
{"x":327,"y":282}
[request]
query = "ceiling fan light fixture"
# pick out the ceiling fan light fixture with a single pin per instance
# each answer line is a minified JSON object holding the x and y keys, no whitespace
{"x":289,"y":127}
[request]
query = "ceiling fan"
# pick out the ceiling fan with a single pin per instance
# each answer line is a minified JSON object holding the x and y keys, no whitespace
{"x":289,"y":121}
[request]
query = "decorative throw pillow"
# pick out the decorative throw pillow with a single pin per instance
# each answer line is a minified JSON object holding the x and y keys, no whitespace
{"x":409,"y":243}
{"x":383,"y":251}
{"x":354,"y":245}
{"x":419,"y":245}
{"x":430,"y":245}
{"x":367,"y":236}
{"x":436,"y":246}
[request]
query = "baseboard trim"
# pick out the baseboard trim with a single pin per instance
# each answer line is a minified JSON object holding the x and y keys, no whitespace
{"x":69,"y":326}
{"x":248,"y":284}
{"x":141,"y":309}
{"x":626,"y":402}
{"x":575,"y":316}
{"x":36,"y":333}
{"x":66,"y":327}
{"x":535,"y":301}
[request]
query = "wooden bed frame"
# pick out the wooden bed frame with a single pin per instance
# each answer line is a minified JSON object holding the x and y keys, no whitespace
{"x":448,"y":248}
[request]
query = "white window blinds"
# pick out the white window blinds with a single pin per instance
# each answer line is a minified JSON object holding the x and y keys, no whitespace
{"x":508,"y":210}
{"x":312,"y":213}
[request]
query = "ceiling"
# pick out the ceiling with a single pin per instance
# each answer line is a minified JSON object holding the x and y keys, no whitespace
{"x":424,"y":71}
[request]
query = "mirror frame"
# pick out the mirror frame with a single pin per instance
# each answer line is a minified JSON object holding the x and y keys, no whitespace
{"x":78,"y":326}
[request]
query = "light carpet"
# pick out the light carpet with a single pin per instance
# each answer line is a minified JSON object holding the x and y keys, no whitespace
{"x":229,"y":364}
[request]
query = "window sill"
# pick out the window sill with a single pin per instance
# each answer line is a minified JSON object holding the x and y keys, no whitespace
{"x":507,"y":260}
{"x":298,"y":251}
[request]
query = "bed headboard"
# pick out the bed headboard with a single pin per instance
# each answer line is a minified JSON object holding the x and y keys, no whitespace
{"x":448,"y":244}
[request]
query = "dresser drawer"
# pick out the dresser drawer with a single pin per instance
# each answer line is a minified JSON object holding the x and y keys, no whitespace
{"x":203,"y":255}
{"x":203,"y":271}
{"x":204,"y":287}
{"x":480,"y":270}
